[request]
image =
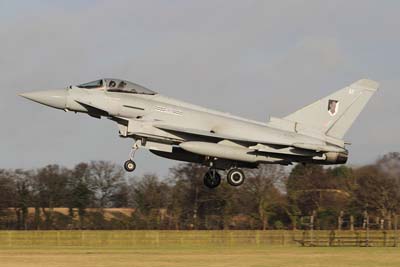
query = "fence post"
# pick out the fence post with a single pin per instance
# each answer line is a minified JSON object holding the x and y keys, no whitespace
{"x":396,"y":236}
{"x":304,"y":238}
{"x":312,"y":227}
{"x":384,"y":238}
{"x":331,"y":238}
{"x":358,"y":241}
{"x":366,"y":223}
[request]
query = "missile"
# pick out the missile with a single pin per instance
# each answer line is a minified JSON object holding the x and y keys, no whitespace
{"x":241,"y":153}
{"x":233,"y":152}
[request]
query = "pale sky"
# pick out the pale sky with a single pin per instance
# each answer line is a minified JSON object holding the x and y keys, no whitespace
{"x":251,"y":58}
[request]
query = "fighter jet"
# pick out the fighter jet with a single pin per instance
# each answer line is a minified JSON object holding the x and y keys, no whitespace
{"x":182,"y":131}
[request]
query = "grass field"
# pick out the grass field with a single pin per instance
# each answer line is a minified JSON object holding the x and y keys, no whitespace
{"x":213,"y":256}
{"x":191,"y":248}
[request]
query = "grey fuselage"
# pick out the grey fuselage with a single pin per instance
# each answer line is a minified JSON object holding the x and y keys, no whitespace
{"x":166,"y":125}
{"x":178,"y":130}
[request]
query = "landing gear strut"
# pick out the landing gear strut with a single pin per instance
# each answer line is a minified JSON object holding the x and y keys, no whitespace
{"x":212,"y":178}
{"x":130,"y":165}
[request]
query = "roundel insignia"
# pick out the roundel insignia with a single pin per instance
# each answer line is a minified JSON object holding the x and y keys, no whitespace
{"x":333,"y":107}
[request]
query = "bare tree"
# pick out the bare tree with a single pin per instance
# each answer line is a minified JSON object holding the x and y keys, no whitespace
{"x":23,"y":197}
{"x":150,"y":197}
{"x":188,"y":180}
{"x":7,"y":191}
{"x":376,"y":192}
{"x":261,"y":191}
{"x":389,"y":165}
{"x":50,"y":188}
{"x":80,"y":191}
{"x":106,"y":178}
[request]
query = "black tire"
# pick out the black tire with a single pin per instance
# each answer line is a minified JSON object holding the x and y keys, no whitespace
{"x":235,"y":177}
{"x":130,"y":165}
{"x":212,"y":179}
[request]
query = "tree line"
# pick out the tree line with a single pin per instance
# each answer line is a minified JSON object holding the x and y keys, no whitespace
{"x":272,"y":197}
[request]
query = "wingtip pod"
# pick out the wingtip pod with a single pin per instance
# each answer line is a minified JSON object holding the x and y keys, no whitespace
{"x":366,"y":84}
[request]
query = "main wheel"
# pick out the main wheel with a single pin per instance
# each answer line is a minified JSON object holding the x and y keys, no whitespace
{"x":235,"y":177}
{"x":130,"y":165}
{"x":212,"y":179}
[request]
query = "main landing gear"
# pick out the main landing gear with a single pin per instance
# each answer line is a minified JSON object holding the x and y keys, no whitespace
{"x":130,"y":165}
{"x":235,"y":177}
{"x":212,"y":178}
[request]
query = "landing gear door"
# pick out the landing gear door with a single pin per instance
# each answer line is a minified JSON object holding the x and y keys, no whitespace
{"x":123,"y":130}
{"x":150,"y":145}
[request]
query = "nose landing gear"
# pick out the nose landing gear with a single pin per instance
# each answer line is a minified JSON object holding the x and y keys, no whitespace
{"x":130,"y":165}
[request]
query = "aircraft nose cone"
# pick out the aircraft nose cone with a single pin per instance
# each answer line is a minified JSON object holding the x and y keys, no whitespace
{"x":51,"y":98}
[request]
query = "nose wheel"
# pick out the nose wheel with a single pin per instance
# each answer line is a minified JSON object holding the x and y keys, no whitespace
{"x":129,"y":165}
{"x":212,"y":178}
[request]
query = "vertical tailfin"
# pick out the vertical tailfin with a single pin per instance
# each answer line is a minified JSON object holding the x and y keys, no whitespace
{"x":334,"y":114}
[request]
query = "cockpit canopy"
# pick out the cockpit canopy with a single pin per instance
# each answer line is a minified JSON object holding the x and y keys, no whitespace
{"x":117,"y":85}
